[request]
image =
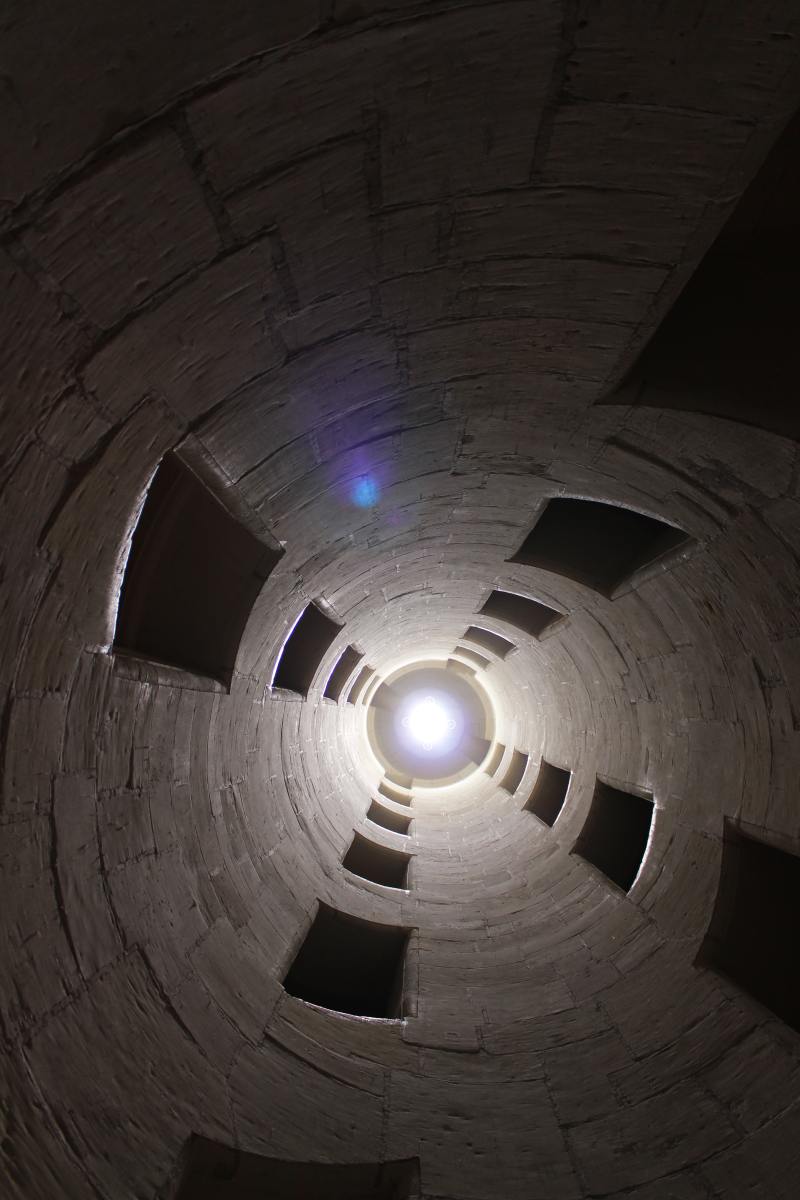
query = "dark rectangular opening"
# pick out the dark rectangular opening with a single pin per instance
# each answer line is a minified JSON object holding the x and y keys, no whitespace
{"x":597,"y":544}
{"x":549,"y":792}
{"x":487,"y":640}
{"x":472,"y":657}
{"x":377,"y":863}
{"x":394,"y":793}
{"x":516,"y":769}
{"x":348,"y":661}
{"x":304,"y":650}
{"x":361,"y":680}
{"x":387,"y":819}
{"x":192,"y":577}
{"x":727,"y":346}
{"x":752,"y":937}
{"x":212,"y":1171}
{"x":495,"y":758}
{"x":350,"y":965}
{"x":614,"y":836}
{"x":520,"y":611}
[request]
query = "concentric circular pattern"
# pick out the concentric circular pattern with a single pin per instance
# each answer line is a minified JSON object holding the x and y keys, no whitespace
{"x":358,"y":355}
{"x":429,"y":724}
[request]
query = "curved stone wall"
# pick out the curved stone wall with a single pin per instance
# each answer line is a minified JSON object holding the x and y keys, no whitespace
{"x":372,"y":266}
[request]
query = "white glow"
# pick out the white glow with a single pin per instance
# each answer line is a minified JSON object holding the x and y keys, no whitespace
{"x":428,"y":723}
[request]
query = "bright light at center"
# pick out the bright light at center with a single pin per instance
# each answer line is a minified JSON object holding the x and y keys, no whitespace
{"x":428,"y":723}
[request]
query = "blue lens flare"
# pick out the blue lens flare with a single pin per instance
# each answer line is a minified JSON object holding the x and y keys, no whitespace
{"x":365,"y":492}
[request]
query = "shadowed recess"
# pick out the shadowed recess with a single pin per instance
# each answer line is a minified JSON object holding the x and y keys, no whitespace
{"x":394,"y":793}
{"x":728,"y":345}
{"x":600,"y":545}
{"x":549,"y":792}
{"x":487,"y":640}
{"x":526,"y":614}
{"x":304,"y":650}
{"x":388,"y":819}
{"x":350,"y":965}
{"x":212,"y":1171}
{"x":615,"y":833}
{"x":495,"y":759}
{"x":360,"y":682}
{"x":516,"y":769}
{"x":752,"y":937}
{"x":472,"y":657}
{"x":347,"y":663}
{"x":379,"y":864}
{"x":192,"y":577}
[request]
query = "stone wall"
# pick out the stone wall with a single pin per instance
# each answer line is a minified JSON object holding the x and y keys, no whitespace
{"x":412,"y":245}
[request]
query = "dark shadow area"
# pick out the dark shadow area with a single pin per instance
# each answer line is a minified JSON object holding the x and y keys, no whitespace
{"x":211,"y":1171}
{"x":360,"y":682}
{"x":549,"y":792}
{"x":394,"y":793}
{"x":192,"y":577}
{"x":487,"y":640}
{"x":516,"y":769}
{"x":378,"y":864}
{"x":387,"y":819}
{"x":495,"y":759}
{"x":348,"y":661}
{"x":600,"y":545}
{"x":528,"y":615}
{"x":727,"y":346}
{"x":350,"y":965}
{"x":304,"y":650}
{"x":753,"y":934}
{"x":614,"y":836}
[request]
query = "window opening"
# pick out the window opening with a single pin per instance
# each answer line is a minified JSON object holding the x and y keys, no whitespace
{"x":350,"y":965}
{"x":614,"y":836}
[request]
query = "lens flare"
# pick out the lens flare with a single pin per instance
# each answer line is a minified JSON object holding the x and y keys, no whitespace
{"x":428,"y":723}
{"x":364,"y":492}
